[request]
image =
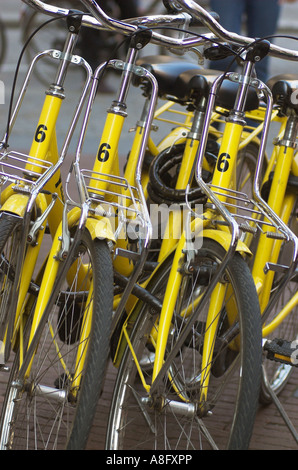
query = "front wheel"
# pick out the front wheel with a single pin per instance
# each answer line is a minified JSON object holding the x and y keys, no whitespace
{"x":196,"y":405}
{"x":53,"y":406}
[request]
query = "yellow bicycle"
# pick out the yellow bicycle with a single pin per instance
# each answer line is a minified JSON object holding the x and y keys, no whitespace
{"x":57,"y":321}
{"x":280,"y":364}
{"x":202,"y":300}
{"x":50,"y":325}
{"x":179,"y":370}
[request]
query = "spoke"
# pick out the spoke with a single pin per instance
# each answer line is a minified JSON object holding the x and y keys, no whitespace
{"x":206,"y":433}
{"x":142,"y":405}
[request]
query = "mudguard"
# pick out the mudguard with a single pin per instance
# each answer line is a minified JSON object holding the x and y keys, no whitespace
{"x":98,"y":227}
{"x":223,"y":238}
{"x":15,"y":204}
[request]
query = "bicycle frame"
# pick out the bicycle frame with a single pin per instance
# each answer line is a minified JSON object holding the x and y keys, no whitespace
{"x":103,"y":187}
{"x":92,"y":209}
{"x":40,"y":183}
{"x":223,"y":177}
{"x":282,"y":203}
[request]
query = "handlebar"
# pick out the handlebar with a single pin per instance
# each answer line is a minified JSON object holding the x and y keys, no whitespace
{"x":101,"y":21}
{"x":87,"y":20}
{"x":98,"y":19}
{"x":236,"y":39}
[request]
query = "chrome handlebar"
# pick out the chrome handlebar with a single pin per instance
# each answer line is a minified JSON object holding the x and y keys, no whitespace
{"x":98,"y":19}
{"x":232,"y":38}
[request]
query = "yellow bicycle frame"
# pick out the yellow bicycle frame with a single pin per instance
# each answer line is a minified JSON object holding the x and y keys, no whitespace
{"x":224,"y":176}
{"x":282,"y":203}
{"x":44,"y":147}
{"x":232,"y":139}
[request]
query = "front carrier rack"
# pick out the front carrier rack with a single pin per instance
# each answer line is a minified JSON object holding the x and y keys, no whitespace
{"x":112,"y":196}
{"x":23,"y":171}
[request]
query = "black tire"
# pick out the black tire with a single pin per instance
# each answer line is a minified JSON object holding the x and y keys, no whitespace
{"x":226,"y":419}
{"x":10,"y":236}
{"x":34,"y":420}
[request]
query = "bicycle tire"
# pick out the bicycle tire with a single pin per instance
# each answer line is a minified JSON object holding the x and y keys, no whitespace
{"x":10,"y":235}
{"x":30,"y":421}
{"x":227,"y":424}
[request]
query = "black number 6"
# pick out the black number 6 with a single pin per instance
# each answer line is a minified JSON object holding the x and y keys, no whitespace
{"x":40,"y":134}
{"x":223,"y":164}
{"x":103,"y":154}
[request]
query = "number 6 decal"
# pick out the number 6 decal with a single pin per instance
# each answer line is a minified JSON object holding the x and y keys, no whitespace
{"x":223,"y":164}
{"x":103,"y":154}
{"x":40,"y":134}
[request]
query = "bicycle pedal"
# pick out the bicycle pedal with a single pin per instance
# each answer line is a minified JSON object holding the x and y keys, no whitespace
{"x":283,"y":351}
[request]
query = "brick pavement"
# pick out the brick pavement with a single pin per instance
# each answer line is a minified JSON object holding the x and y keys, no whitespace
{"x":270,"y":431}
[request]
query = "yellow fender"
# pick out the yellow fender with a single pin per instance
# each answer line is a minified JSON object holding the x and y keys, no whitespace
{"x":99,"y":227}
{"x":16,"y":203}
{"x":224,"y":239}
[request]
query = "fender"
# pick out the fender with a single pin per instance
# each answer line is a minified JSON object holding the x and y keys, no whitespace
{"x":224,"y":239}
{"x":16,"y":203}
{"x":99,"y":227}
{"x":6,"y":193}
{"x":176,"y":136}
